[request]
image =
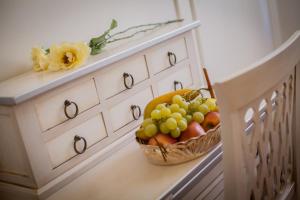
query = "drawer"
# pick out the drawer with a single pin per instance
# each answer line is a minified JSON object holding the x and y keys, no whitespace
{"x":130,"y":72}
{"x":182,"y":77}
{"x":121,"y":114}
{"x":199,"y":188}
{"x":62,"y":148}
{"x":166,"y":55}
{"x":51,"y":107}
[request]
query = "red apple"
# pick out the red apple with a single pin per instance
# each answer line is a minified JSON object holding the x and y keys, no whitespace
{"x":162,"y":139}
{"x":211,"y":119}
{"x":193,"y":130}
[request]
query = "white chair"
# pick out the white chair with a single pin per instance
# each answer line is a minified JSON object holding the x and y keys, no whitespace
{"x":260,"y":112}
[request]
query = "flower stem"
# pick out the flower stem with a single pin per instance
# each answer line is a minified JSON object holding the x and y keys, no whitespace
{"x":155,"y":26}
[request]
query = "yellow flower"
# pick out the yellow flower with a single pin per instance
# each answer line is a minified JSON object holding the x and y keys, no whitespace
{"x":40,"y":59}
{"x":68,"y":55}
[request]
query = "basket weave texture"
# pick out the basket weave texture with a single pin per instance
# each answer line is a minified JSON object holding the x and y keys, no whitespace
{"x":182,"y":151}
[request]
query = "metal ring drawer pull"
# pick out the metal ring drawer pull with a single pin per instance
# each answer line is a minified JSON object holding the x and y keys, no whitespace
{"x":176,"y":83}
{"x":67,"y":104}
{"x":125,"y":76}
{"x":174,"y":60}
{"x":133,"y":109}
{"x":76,"y":139}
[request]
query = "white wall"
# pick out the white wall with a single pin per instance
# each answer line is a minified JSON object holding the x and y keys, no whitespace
{"x":285,"y":18}
{"x":234,"y":33}
{"x":29,"y":23}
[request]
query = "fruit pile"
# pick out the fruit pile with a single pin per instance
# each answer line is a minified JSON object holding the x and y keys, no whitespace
{"x":173,"y":118}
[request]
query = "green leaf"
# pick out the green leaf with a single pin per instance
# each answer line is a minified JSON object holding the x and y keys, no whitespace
{"x":96,"y":48}
{"x":113,"y":24}
{"x":98,"y":43}
{"x":99,"y":39}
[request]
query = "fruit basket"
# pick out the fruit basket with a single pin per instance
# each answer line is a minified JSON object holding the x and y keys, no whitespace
{"x":178,"y":127}
{"x":180,"y":152}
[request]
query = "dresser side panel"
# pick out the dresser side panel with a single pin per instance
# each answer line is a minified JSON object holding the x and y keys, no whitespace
{"x":14,"y":165}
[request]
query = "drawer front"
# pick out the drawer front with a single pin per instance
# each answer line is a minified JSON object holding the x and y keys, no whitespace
{"x":62,"y":147}
{"x":121,"y":114}
{"x":182,"y":77}
{"x":205,"y":184}
{"x":51,"y":108}
{"x":135,"y":68}
{"x":159,"y":58}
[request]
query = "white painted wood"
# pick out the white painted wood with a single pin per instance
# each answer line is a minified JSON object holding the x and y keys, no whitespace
{"x":127,"y":175}
{"x":113,"y":76}
{"x":182,"y":75}
{"x":16,"y":90}
{"x":296,"y":129}
{"x":221,"y":196}
{"x":14,"y":166}
{"x":212,"y":190}
{"x":204,"y":183}
{"x":15,"y":192}
{"x":195,"y":62}
{"x":258,"y":155}
{"x":121,"y":114}
{"x":32,"y":139}
{"x":158,"y":59}
{"x":61,"y":148}
{"x":50,"y":107}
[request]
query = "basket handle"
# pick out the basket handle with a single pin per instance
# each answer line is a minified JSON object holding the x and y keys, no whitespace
{"x":209,"y":87}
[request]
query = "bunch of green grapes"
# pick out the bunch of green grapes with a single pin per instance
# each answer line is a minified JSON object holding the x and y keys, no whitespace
{"x":174,"y":118}
{"x":168,"y":118}
{"x":199,"y":107}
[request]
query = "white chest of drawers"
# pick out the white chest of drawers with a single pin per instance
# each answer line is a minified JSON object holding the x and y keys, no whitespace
{"x":56,"y":126}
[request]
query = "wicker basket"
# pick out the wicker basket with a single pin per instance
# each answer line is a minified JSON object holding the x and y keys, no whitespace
{"x":182,"y":151}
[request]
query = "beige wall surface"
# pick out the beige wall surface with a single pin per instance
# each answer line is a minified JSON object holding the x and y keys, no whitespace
{"x":285,"y":18}
{"x":29,"y":23}
{"x":233,"y":34}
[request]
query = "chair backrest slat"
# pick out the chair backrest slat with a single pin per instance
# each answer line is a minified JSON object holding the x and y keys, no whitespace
{"x":257,"y":108}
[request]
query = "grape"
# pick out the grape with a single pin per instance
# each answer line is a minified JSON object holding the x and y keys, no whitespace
{"x":176,"y":116}
{"x":163,"y":128}
{"x":177,"y":99}
{"x":184,"y":105}
{"x":174,"y":108}
{"x":165,"y":112}
{"x":198,"y":117}
{"x":141,"y":134}
{"x":194,"y":106}
{"x":171,"y":123}
{"x":150,"y":130}
{"x":175,"y":133}
{"x":188,"y":118}
{"x":182,"y":124}
{"x":156,"y":114}
{"x":160,"y":106}
{"x":200,"y":100}
{"x":211,"y":104}
{"x":203,"y":108}
{"x":182,"y":111}
{"x":146,"y":122}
